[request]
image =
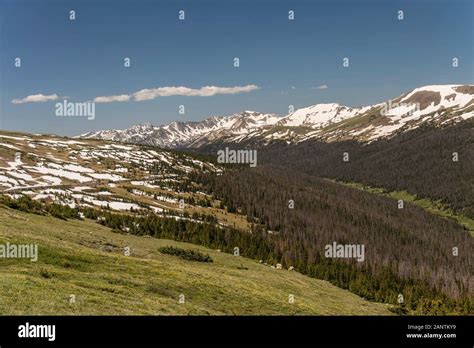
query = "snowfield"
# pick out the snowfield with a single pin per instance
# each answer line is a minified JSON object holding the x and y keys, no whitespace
{"x":90,"y":174}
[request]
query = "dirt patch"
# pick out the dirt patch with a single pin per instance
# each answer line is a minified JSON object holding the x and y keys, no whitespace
{"x":424,"y":98}
{"x":451,"y":96}
{"x":467,"y":89}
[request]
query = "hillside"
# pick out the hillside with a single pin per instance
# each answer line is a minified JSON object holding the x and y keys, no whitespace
{"x":421,"y":161}
{"x":101,"y":174}
{"x":409,"y":249}
{"x":85,"y":259}
{"x":186,"y":197}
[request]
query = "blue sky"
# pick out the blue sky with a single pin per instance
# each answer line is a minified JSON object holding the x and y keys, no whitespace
{"x":287,"y":60}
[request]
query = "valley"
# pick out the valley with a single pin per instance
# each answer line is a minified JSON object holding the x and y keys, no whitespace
{"x":114,"y":199}
{"x":436,"y":208}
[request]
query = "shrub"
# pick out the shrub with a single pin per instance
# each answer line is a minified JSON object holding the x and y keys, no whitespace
{"x":186,"y":254}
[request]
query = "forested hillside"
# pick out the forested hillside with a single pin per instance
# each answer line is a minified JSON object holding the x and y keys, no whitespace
{"x":422,"y":161}
{"x":408,"y":251}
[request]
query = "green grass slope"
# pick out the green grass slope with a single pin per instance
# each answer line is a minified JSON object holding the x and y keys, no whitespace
{"x":85,"y":259}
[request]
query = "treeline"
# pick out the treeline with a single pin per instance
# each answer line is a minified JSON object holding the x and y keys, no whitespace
{"x":421,"y":161}
{"x":26,"y":204}
{"x":253,"y":245}
{"x":408,"y":252}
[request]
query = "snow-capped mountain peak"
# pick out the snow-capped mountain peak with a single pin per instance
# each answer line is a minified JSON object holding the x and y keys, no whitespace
{"x":321,"y":115}
{"x":177,"y":133}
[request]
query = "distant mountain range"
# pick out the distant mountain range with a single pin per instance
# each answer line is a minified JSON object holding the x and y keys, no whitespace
{"x":436,"y":104}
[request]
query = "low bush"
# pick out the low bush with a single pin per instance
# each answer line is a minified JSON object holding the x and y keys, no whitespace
{"x":186,"y":254}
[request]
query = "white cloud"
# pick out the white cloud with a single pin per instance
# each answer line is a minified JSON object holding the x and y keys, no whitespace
{"x":321,"y":87}
{"x":207,"y":91}
{"x":150,"y":94}
{"x":36,"y":98}
{"x":112,"y":98}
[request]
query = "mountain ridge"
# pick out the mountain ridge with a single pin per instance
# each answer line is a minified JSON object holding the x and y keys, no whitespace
{"x":439,"y":104}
